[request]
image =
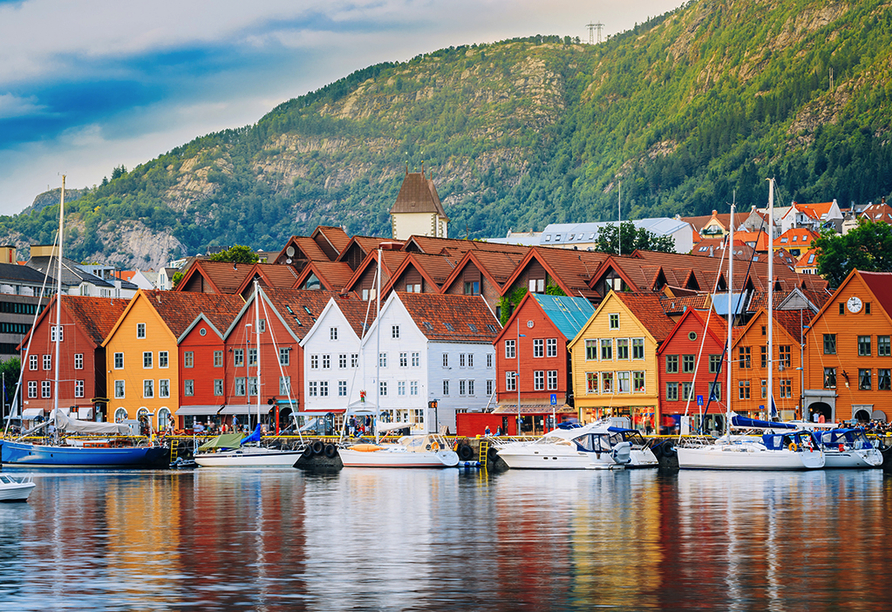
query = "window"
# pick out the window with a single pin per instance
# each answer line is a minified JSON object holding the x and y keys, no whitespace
{"x":591,"y":382}
{"x":413,"y":387}
{"x":45,"y":388}
{"x":785,"y":355}
{"x":884,"y":383}
{"x":671,"y":364}
{"x":866,"y":307}
{"x":261,"y":325}
{"x":284,"y":385}
{"x":461,"y":360}
{"x":830,"y":378}
{"x":323,"y":388}
{"x":285,"y":357}
{"x":252,"y":357}
{"x":687,"y":364}
{"x":401,"y":388}
{"x":238,"y":357}
{"x":864,"y":379}
{"x":671,"y":391}
{"x":147,"y":360}
{"x":462,"y":387}
{"x":47,"y":362}
{"x":607,"y":382}
{"x":119,"y":389}
{"x":883,"y":347}
{"x":342,"y":361}
{"x":314,"y":362}
{"x":539,"y":380}
{"x":638,"y":382}
{"x":591,"y":350}
{"x":32,"y":388}
{"x":164,"y":387}
{"x":354,"y":360}
{"x":32,"y":361}
{"x":472,"y":287}
{"x":470,"y":387}
{"x":864,"y":346}
{"x":551,"y":347}
{"x":510,"y":381}
{"x":252,"y":386}
{"x":240,"y":386}
{"x":445,"y":360}
{"x":382,"y":388}
{"x":830,"y":344}
{"x":637,"y":348}
{"x":715,"y":364}
{"x":489,"y":387}
{"x":715,"y":392}
{"x":614,"y":320}
{"x":218,"y":387}
{"x":342,"y":388}
{"x":743,"y":389}
{"x":404,"y":360}
{"x":763,"y":393}
{"x":326,"y":361}
{"x":332,"y":333}
{"x":786,"y":388}
{"x":445,"y":387}
{"x":189,"y":359}
{"x":61,"y":331}
{"x":552,"y":380}
{"x":744,"y":357}
{"x":606,"y":348}
{"x":140,"y":330}
{"x":470,"y":360}
{"x":313,"y":389}
{"x":687,"y":390}
{"x":395,"y":332}
{"x":382,"y":360}
{"x":416,"y":360}
{"x":148,"y":389}
{"x":622,"y":382}
{"x":763,"y":356}
{"x":622,"y":348}
{"x":509,"y":349}
{"x":218,"y":359}
{"x":538,"y":347}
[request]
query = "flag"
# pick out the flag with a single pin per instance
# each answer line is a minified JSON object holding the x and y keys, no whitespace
{"x":774,"y":415}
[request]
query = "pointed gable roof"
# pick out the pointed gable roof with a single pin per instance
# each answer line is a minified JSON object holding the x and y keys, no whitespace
{"x":298,"y":309}
{"x":497,"y":266}
{"x":269,"y":275}
{"x":717,"y":329}
{"x":418,"y":195}
{"x":880,"y":285}
{"x":877,"y":212}
{"x":360,"y":315}
{"x":568,"y":314}
{"x":432,"y":244}
{"x":331,"y":240}
{"x":95,"y":316}
{"x":434,"y":268}
{"x":220,"y":277}
{"x":358,"y":249}
{"x":390,"y":262}
{"x":571,"y":270}
{"x":332,"y":275}
{"x":451,"y":318}
{"x":647,"y":309}
{"x":298,"y":251}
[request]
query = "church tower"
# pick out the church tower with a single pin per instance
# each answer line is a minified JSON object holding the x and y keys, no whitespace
{"x":417,"y":210}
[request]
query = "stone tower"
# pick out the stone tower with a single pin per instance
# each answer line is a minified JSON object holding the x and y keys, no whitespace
{"x":417,"y":210}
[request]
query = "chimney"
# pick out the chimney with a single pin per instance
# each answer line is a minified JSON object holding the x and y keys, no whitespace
{"x":7,"y":254}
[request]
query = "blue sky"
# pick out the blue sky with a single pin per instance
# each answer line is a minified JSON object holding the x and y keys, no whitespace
{"x":88,"y":85}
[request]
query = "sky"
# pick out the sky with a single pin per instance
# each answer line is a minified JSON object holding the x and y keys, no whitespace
{"x":89,"y":85}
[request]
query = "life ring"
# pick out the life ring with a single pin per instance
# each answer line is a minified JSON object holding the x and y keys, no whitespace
{"x":435,"y":446}
{"x":318,"y":447}
{"x":330,"y":451}
{"x":465,"y":452}
{"x":793,"y":447}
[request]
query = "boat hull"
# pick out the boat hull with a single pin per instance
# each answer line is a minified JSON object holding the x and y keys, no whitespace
{"x":555,"y":457}
{"x":15,"y":491}
{"x":397,"y":458}
{"x":22,"y":454}
{"x":746,"y":457}
{"x":858,"y":459}
{"x":248,"y":458}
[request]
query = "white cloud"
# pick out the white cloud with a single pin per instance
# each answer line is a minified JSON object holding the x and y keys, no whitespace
{"x":14,"y":106}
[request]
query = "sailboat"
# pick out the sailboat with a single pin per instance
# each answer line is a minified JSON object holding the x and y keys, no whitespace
{"x":64,"y":452}
{"x":785,"y":450}
{"x":248,"y":452}
{"x":420,"y":450}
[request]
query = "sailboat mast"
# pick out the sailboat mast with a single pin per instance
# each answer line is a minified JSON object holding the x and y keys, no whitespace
{"x":58,"y":300}
{"x":378,"y":348}
{"x":257,"y":332}
{"x":730,"y":319}
{"x":770,"y":347}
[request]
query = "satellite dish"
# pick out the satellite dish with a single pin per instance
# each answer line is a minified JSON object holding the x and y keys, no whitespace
{"x":289,"y":251}
{"x":288,"y":261}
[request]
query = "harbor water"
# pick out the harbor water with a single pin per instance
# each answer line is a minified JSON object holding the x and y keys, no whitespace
{"x":378,"y":539}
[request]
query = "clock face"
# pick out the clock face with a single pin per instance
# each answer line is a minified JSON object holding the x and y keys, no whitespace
{"x":854,"y":304}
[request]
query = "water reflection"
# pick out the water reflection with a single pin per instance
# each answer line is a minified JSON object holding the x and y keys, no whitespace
{"x":447,"y":540}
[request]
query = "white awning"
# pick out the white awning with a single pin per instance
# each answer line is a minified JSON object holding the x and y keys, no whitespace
{"x":32,"y":413}
{"x":245,"y":409}
{"x":85,"y":412}
{"x":198,"y":410}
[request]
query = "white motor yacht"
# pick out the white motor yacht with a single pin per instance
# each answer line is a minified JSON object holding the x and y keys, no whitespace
{"x":428,"y":450}
{"x":594,"y":446}
{"x":15,"y":489}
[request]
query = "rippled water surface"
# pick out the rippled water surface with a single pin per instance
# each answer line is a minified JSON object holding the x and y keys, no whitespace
{"x":217,"y":539}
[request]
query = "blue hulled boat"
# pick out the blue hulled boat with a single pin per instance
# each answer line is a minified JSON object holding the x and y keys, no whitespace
{"x":25,"y":454}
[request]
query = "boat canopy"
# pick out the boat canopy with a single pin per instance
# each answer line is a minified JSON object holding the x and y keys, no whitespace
{"x":742,"y":421}
{"x":777,"y":441}
{"x":851,"y":437}
{"x":66,"y":423}
{"x":230,"y":440}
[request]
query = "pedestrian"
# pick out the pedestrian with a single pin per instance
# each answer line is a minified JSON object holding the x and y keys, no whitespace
{"x":486,"y":431}
{"x":498,"y":431}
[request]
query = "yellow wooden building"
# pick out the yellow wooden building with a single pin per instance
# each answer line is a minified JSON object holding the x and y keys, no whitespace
{"x":614,"y":359}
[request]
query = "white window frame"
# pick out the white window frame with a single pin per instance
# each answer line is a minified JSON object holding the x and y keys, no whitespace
{"x":78,"y":361}
{"x":140,"y":331}
{"x":120,"y":389}
{"x":78,"y":388}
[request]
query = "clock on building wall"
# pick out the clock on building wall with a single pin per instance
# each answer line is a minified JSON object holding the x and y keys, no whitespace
{"x":854,"y":304}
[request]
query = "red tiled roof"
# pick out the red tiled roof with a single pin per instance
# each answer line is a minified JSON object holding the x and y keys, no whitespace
{"x":647,"y":309}
{"x":458,"y":247}
{"x":793,"y":320}
{"x":469,"y":317}
{"x":880,"y":284}
{"x":223,"y":276}
{"x":95,"y":316}
{"x":336,"y":237}
{"x":334,"y":275}
{"x":299,"y":308}
{"x":179,"y":309}
{"x":360,"y":315}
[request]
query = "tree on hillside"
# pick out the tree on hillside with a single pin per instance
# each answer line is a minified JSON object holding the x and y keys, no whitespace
{"x":868,"y":247}
{"x":11,"y":368}
{"x":236,"y":254}
{"x":631,"y":239}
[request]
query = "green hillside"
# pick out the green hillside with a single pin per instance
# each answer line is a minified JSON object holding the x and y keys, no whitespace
{"x":685,"y":110}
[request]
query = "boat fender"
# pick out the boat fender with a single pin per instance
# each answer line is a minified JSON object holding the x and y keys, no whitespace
{"x":465,"y":452}
{"x":493,"y":454}
{"x":793,"y":447}
{"x":318,"y":447}
{"x":330,"y":451}
{"x":308,"y":451}
{"x":658,"y":450}
{"x":842,"y":447}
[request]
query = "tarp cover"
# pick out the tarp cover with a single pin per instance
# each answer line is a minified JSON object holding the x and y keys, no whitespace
{"x":254,"y":437}
{"x":65,"y":423}
{"x":230,"y":440}
{"x":742,"y":421}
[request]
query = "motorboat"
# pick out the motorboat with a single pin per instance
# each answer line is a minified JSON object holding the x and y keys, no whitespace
{"x":640,"y":455}
{"x":594,"y":446}
{"x":424,"y":450}
{"x":15,"y":489}
{"x":234,"y":450}
{"x":787,"y":450}
{"x":848,"y":448}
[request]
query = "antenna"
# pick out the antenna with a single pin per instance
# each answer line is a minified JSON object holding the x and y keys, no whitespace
{"x":591,"y":32}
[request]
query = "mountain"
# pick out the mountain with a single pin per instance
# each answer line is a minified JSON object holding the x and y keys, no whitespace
{"x":686,"y":111}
